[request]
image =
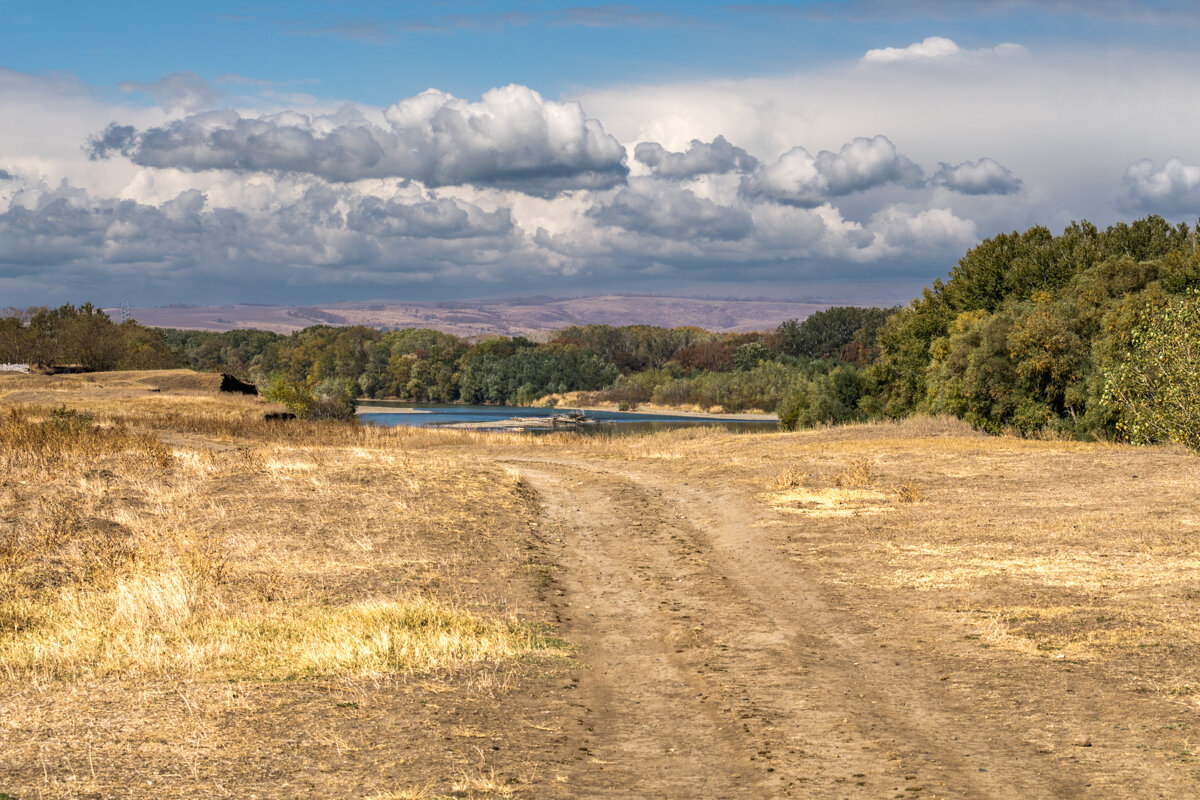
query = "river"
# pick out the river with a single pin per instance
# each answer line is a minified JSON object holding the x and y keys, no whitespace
{"x":606,"y":422}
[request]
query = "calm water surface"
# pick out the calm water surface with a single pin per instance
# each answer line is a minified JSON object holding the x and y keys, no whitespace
{"x":610,"y":422}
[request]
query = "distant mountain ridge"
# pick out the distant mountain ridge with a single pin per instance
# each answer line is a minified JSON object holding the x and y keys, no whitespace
{"x":523,"y":316}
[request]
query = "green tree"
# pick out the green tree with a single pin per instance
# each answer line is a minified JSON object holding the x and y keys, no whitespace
{"x":1156,"y":388}
{"x":750,"y":355}
{"x":825,"y":334}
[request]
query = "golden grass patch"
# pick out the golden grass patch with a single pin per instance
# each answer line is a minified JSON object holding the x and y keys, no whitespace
{"x":187,"y":536}
{"x":156,"y":625}
{"x":1071,"y":550}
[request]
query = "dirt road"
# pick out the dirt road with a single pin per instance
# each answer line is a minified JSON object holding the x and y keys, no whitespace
{"x":718,"y":667}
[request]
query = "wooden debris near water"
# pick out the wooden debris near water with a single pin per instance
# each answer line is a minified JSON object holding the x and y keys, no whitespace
{"x":570,"y":419}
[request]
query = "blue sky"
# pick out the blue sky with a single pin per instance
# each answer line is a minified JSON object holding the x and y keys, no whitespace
{"x":849,"y":150}
{"x":376,"y":52}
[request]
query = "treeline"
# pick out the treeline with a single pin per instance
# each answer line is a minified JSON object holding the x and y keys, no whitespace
{"x":629,"y":365}
{"x":81,"y":336}
{"x":1029,"y":329}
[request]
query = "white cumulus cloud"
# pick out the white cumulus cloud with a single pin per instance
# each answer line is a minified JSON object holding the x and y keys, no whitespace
{"x":1173,"y":188}
{"x":931,"y":229}
{"x":799,"y":178}
{"x":985,"y":176}
{"x":933,"y":47}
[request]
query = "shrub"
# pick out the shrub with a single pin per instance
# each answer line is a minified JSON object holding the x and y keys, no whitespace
{"x":331,"y":399}
{"x":295,"y":396}
{"x":1156,"y":388}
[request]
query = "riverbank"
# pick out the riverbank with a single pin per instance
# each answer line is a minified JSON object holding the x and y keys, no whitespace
{"x":587,"y":401}
{"x":360,"y":410}
{"x":648,"y":410}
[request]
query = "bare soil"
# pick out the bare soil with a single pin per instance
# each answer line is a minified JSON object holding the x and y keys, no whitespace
{"x":728,"y":649}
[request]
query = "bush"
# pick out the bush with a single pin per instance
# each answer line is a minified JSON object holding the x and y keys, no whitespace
{"x":331,"y":399}
{"x":1156,"y":388}
{"x":295,"y":396}
{"x":832,"y":398}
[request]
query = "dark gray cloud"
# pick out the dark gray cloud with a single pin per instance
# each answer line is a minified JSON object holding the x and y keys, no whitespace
{"x":115,"y":140}
{"x":440,"y":218}
{"x":5,"y":175}
{"x":182,"y":91}
{"x":798,"y":178}
{"x":984,"y":176}
{"x":700,"y":158}
{"x":1173,"y":189}
{"x":512,"y":138}
{"x":67,"y":236}
{"x":285,"y":142}
{"x":666,"y":210}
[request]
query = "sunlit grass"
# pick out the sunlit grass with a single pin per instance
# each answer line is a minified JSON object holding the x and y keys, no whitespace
{"x":185,"y":535}
{"x":152,"y":625}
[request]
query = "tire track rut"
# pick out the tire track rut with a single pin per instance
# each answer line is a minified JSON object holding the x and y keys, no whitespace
{"x":717,"y":668}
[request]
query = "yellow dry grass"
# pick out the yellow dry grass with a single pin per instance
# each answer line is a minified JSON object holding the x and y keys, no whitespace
{"x":186,"y":536}
{"x":1060,"y":550}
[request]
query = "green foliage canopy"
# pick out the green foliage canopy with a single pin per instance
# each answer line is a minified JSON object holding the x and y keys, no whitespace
{"x":1156,"y":386}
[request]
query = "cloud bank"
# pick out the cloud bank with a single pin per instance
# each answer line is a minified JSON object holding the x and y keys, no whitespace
{"x":513,"y":138}
{"x":884,"y":171}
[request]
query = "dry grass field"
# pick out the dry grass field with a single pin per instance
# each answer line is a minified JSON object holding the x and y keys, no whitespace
{"x":196,"y":602}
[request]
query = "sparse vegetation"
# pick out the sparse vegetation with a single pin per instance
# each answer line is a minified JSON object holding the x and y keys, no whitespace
{"x":858,"y":475}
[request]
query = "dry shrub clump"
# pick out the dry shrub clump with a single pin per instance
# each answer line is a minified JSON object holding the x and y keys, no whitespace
{"x":791,"y":478}
{"x":908,"y":491}
{"x":848,"y":493}
{"x":859,"y":475}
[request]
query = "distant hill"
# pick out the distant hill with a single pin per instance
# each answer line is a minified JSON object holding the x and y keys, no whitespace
{"x":524,"y":316}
